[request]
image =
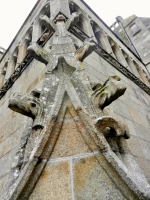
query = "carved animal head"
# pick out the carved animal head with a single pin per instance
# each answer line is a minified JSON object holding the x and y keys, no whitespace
{"x":111,"y":90}
{"x":25,"y":104}
{"x":85,"y":50}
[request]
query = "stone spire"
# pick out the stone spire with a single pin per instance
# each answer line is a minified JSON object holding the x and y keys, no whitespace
{"x":59,"y":6}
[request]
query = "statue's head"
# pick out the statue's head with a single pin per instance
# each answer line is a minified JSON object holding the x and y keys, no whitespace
{"x":60,"y":18}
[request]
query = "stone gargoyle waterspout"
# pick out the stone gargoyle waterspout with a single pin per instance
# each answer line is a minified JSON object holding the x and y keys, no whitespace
{"x":111,"y":90}
{"x":29,"y":105}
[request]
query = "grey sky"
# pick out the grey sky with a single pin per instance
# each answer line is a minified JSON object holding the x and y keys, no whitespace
{"x":14,"y":12}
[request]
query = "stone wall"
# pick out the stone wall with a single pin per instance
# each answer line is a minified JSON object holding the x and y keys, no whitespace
{"x":76,"y":170}
{"x":132,"y":108}
{"x":12,"y":124}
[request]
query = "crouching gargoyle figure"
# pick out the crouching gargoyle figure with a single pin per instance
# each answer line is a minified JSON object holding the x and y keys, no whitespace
{"x":111,"y":90}
{"x":29,"y":105}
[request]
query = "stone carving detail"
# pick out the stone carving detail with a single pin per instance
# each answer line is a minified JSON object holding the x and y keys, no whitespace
{"x":18,"y":71}
{"x":81,"y":35}
{"x":85,"y":50}
{"x":62,"y":62}
{"x":111,"y":90}
{"x":65,"y":44}
{"x":38,"y":53}
{"x":118,"y":154}
{"x":117,"y":128}
{"x":28,"y":105}
{"x":47,"y":23}
{"x":73,"y":20}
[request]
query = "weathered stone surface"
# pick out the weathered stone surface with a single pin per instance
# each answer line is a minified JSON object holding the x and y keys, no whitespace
{"x":145,"y":166}
{"x":134,"y":146}
{"x":85,"y":50}
{"x":92,"y":182}
{"x":3,"y":181}
{"x":139,"y":118}
{"x":145,"y":146}
{"x":70,"y":138}
{"x":111,"y":90}
{"x":54,"y":183}
{"x":28,"y":105}
{"x":70,"y":141}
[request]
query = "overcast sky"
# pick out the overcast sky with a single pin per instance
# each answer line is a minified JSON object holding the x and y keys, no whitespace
{"x":14,"y":12}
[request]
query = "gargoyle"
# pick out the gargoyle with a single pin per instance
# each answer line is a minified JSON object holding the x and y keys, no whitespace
{"x":118,"y":129}
{"x":85,"y":50}
{"x":47,"y":23}
{"x":38,"y":53}
{"x":28,"y":105}
{"x":111,"y":90}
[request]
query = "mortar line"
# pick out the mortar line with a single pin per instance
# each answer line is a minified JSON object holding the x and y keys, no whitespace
{"x":78,"y":156}
{"x":71,"y":178}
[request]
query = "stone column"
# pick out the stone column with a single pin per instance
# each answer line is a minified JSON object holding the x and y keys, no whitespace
{"x":22,"y":52}
{"x":143,"y":77}
{"x":36,"y":31}
{"x":89,"y":28}
{"x":120,"y":57}
{"x":2,"y":77}
{"x":10,"y":68}
{"x":133,"y":67}
{"x":106,"y":45}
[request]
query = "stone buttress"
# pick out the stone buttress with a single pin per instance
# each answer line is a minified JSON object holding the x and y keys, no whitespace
{"x":71,"y":148}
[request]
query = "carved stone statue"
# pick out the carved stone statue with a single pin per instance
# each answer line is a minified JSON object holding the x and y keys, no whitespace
{"x":111,"y":90}
{"x":28,"y":105}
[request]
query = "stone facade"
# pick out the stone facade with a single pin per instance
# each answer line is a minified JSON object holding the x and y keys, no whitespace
{"x":75,"y":116}
{"x":138,"y":29}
